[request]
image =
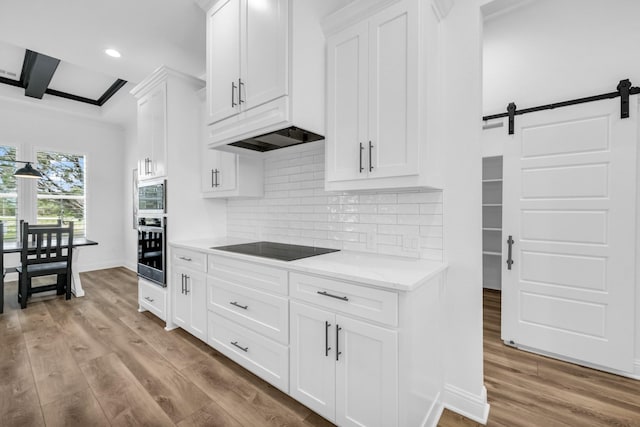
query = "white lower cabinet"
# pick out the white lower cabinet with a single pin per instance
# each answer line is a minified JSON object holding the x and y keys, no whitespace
{"x":262,"y":356}
{"x":189,"y":309}
{"x":152,"y":297}
{"x":342,"y":368}
{"x":355,"y":354}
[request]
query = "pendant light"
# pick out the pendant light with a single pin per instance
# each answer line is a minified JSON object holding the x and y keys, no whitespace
{"x":27,"y":171}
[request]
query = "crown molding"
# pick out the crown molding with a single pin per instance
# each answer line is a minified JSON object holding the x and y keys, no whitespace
{"x":205,"y":4}
{"x":163,"y":74}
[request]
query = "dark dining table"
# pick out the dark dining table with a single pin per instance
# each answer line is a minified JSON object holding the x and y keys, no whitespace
{"x":76,"y":285}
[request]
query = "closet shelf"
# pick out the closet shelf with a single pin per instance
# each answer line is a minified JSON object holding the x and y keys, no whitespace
{"x":491,"y":204}
{"x":491,"y":229}
{"x":492,"y":180}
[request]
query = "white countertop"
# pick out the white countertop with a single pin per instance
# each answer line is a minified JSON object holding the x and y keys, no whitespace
{"x":383,"y":271}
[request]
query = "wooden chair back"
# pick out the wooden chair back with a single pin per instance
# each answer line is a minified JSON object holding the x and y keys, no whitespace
{"x":46,"y":243}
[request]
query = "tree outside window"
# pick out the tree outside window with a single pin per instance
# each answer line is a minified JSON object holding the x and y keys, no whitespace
{"x":8,"y":192}
{"x":61,"y":193}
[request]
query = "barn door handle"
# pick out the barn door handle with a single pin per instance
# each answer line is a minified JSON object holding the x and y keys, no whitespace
{"x":510,"y":243}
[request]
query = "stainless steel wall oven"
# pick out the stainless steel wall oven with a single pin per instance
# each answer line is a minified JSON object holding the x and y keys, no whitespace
{"x":152,"y":249}
{"x":152,"y":197}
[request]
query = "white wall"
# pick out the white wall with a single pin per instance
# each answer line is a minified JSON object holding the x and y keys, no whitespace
{"x":296,"y":209}
{"x":553,"y":50}
{"x":130,"y":234}
{"x":30,"y":127}
{"x":547,"y":51}
{"x":464,"y":389}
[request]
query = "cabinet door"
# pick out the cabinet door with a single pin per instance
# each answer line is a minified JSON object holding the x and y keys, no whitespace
{"x":223,"y":60}
{"x":196,"y":290}
{"x":144,"y":137}
{"x":264,"y":51}
{"x":158,"y":108}
{"x":347,"y":98}
{"x":219,"y":171}
{"x":180,"y":300}
{"x":313,"y":359}
{"x":366,"y":375}
{"x":393,"y":91}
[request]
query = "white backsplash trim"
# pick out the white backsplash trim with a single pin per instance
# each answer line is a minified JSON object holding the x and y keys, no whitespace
{"x":297,"y":210}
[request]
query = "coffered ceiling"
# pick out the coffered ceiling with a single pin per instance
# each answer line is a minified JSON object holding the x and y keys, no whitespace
{"x":148,"y":33}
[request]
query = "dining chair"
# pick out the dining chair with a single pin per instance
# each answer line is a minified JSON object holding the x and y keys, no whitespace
{"x":46,"y":250}
{"x":2,"y":268}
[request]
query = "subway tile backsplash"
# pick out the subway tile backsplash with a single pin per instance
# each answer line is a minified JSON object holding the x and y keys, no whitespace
{"x":297,"y":210}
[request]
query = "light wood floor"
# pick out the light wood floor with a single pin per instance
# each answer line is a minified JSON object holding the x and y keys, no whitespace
{"x":96,"y":361}
{"x":525,"y":389}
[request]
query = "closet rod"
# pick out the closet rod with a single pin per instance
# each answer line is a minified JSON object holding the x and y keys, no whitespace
{"x":624,"y":90}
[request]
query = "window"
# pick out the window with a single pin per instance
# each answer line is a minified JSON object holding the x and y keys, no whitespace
{"x":8,"y":192}
{"x":61,"y":193}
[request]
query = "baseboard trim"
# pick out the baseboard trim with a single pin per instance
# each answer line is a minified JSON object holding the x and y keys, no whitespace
{"x":636,"y":370}
{"x":82,"y":267}
{"x":474,"y":407}
{"x":434,"y":413}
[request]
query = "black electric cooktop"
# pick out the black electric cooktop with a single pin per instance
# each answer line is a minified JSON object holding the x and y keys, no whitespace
{"x":280,"y":251}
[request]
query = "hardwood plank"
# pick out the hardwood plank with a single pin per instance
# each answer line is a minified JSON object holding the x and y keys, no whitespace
{"x":177,"y":397}
{"x":19,"y":405}
{"x":248,"y":404}
{"x":211,"y":415}
{"x":80,"y":409}
{"x":123,"y":399}
{"x":59,"y":385}
{"x":80,"y":336}
{"x":48,"y":353}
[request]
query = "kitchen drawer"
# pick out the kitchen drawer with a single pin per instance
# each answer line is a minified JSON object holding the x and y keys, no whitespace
{"x":153,"y":298}
{"x":188,"y":258}
{"x":262,"y":356}
{"x":264,"y":313}
{"x":368,"y":303}
{"x":249,"y":274}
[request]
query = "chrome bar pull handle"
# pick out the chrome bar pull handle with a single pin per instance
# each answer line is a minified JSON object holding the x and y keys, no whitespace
{"x":182,"y":290}
{"x":510,"y":243}
{"x":235,"y":343}
{"x":186,"y":284}
{"x":244,"y":307}
{"x":338,"y":352}
{"x":326,"y":338}
{"x":240,"y":85}
{"x":361,"y":150}
{"x":233,"y":95}
{"x":213,"y":184}
{"x":326,"y":294}
{"x":370,"y":162}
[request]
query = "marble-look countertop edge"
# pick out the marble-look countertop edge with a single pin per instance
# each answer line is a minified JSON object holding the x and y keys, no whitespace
{"x":307,"y":265}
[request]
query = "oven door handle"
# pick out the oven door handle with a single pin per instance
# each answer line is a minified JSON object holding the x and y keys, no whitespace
{"x":146,"y":228}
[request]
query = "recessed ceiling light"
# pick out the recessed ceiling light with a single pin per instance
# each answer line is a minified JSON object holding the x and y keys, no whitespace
{"x":112,"y":52}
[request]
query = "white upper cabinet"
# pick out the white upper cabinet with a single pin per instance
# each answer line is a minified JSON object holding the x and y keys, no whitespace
{"x":230,"y":175}
{"x":265,"y":67}
{"x":382,"y":96}
{"x":223,"y":60}
{"x":152,"y":133}
{"x":247,"y":55}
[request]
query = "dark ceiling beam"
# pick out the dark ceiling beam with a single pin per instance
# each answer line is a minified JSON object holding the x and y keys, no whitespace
{"x":71,"y":96}
{"x":38,"y":73}
{"x":116,"y":86}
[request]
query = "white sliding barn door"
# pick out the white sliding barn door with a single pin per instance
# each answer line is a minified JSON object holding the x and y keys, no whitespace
{"x":570,"y":205}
